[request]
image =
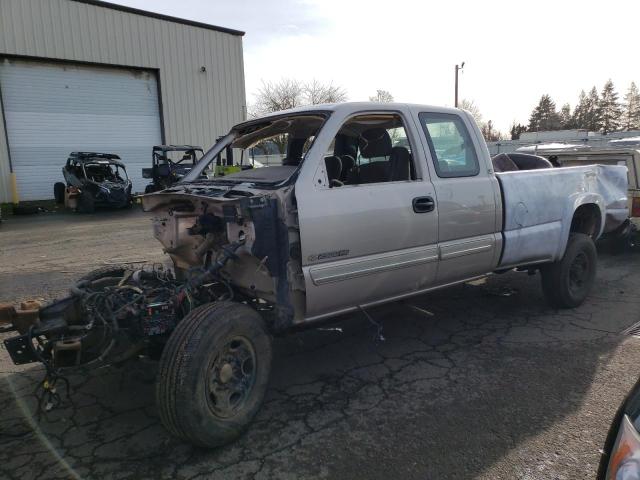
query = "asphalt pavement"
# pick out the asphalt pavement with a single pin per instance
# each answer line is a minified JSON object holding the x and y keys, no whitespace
{"x":480,"y":380}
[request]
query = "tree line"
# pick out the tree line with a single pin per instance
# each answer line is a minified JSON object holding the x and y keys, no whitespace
{"x":597,"y":112}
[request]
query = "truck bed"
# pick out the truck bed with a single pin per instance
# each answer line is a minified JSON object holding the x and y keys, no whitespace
{"x":539,"y":205}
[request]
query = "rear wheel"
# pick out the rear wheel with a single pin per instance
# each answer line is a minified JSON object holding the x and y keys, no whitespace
{"x":567,"y":282}
{"x":58,"y":192}
{"x":213,"y":373}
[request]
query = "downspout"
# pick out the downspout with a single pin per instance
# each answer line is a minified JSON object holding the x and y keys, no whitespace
{"x":15,"y":198}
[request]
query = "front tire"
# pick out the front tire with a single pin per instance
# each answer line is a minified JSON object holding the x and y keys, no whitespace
{"x":86,"y":203}
{"x":567,"y":282}
{"x":213,"y":373}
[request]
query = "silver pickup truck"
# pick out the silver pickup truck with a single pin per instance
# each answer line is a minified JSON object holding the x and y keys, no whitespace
{"x":364,"y":204}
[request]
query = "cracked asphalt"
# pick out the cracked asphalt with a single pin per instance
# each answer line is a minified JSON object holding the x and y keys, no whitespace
{"x":477,"y":381}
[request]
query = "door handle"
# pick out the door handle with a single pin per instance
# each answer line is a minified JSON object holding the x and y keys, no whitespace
{"x":423,"y":204}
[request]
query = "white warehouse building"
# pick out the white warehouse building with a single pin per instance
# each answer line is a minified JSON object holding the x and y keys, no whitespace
{"x":85,"y":75}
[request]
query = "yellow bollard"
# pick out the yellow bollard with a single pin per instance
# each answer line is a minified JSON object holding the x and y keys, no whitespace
{"x":14,"y":189}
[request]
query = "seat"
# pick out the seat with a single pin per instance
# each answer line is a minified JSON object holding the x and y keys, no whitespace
{"x":373,"y":143}
{"x":400,"y":164}
{"x":163,"y":170}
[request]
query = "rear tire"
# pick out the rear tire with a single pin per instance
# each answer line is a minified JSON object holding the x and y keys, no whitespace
{"x":58,"y":192}
{"x":567,"y":282}
{"x":213,"y":373}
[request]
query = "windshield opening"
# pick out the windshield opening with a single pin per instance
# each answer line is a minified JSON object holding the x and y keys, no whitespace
{"x":268,"y":151}
{"x":105,"y":172}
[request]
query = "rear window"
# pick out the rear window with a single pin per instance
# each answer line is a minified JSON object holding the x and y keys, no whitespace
{"x":450,"y":144}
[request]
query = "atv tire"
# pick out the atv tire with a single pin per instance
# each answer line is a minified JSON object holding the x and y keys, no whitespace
{"x":213,"y":373}
{"x":86,"y":203}
{"x":58,"y":192}
{"x":567,"y":282}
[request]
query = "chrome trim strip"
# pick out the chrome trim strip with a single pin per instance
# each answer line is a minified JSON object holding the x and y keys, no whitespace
{"x":468,"y":247}
{"x":347,"y":269}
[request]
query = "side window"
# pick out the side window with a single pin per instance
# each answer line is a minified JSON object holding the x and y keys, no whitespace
{"x":450,"y":143}
{"x":371,"y":148}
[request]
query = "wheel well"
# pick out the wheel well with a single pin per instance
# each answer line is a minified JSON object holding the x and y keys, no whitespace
{"x":586,"y":219}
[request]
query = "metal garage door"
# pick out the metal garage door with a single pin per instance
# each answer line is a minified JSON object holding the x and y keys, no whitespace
{"x":52,"y":109}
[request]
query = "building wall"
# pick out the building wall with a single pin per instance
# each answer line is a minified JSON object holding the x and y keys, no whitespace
{"x":573,"y":137}
{"x":197,"y":106}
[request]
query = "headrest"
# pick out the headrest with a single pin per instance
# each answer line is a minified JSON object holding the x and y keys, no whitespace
{"x":375,"y":142}
{"x":400,"y":153}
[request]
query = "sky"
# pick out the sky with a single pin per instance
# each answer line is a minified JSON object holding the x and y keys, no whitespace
{"x":514,"y":51}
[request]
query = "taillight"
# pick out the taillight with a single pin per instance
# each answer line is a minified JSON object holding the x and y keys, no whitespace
{"x":635,"y":207}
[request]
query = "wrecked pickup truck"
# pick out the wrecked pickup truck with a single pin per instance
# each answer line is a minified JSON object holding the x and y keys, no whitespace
{"x":369,"y":203}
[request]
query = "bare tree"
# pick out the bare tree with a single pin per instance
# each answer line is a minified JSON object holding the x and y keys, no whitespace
{"x":490,"y":133}
{"x":382,"y":96}
{"x":316,"y":93}
{"x":290,"y":93}
{"x":472,"y":108}
{"x":275,"y":96}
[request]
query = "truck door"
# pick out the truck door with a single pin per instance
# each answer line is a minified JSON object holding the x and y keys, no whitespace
{"x":368,"y":217}
{"x":467,"y":194}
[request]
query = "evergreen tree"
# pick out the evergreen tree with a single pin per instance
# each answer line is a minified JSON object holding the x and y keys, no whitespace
{"x":516,"y":130}
{"x":609,"y":109}
{"x":590,"y":111}
{"x":544,"y":116}
{"x":593,"y":116}
{"x":566,"y":119}
{"x":631,"y":112}
{"x":578,"y":119}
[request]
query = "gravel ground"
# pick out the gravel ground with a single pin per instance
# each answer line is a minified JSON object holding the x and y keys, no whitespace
{"x":481,"y":381}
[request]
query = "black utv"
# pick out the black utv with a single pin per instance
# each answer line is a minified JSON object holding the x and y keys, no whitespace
{"x":169,"y":164}
{"x":93,"y":180}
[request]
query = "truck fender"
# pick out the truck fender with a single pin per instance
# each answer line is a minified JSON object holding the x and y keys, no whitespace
{"x":574,"y":202}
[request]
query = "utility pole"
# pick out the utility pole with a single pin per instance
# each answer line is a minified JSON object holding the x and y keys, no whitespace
{"x":458,"y":67}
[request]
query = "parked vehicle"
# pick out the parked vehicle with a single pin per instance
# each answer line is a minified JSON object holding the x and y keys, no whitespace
{"x":93,"y":180}
{"x":621,"y":453}
{"x":372,"y":203}
{"x":169,"y":164}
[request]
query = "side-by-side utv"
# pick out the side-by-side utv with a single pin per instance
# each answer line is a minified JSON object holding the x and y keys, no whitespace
{"x":93,"y":180}
{"x":170,"y":164}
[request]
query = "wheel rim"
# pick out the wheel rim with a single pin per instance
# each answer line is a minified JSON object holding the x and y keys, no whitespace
{"x":231,"y":377}
{"x":579,"y":273}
